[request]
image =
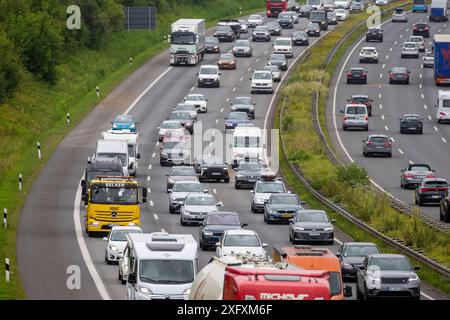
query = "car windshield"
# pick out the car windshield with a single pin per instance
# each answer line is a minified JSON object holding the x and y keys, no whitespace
{"x":211,"y":40}
{"x":247,"y":142}
{"x":250,"y":166}
{"x":187,"y":187}
{"x":237,"y":116}
{"x":282,"y":42}
{"x":254,"y":17}
{"x":121,"y":156}
{"x":356,"y":71}
{"x":195,"y":98}
{"x":242,"y":100}
{"x":121,"y":235}
{"x":397,"y":264}
{"x":261,"y":28}
{"x":177,"y":171}
{"x":224,"y":29}
{"x":419,"y":168}
{"x":241,"y":240}
{"x":211,"y":160}
{"x":312,"y":217}
{"x":242,"y":43}
{"x":270,"y":187}
{"x":356,"y":110}
{"x":208,"y":70}
{"x":369,"y":50}
{"x":200,"y":201}
{"x":416,"y":39}
{"x":360,"y":99}
{"x":170,"y":145}
{"x":262,"y":76}
{"x":188,"y":107}
{"x":429,"y":55}
{"x":222,"y":219}
{"x":171,"y":125}
{"x":289,"y":200}
{"x":181,"y":115}
{"x":107,"y":195}
{"x":399,"y":11}
{"x":360,"y":251}
{"x":124,"y":119}
{"x":166,"y":271}
{"x":312,"y":26}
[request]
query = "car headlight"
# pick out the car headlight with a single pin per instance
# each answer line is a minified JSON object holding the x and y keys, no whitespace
{"x":259,"y":200}
{"x":187,"y":292}
{"x":187,"y":212}
{"x":114,"y":125}
{"x":372,"y":278}
{"x":207,"y":233}
{"x":233,"y":108}
{"x":132,"y":126}
{"x":145,"y":290}
{"x":113,"y":248}
{"x":164,"y":155}
{"x":347,"y":266}
{"x":299,"y":229}
{"x":225,"y":168}
{"x":328,"y":229}
{"x":414,"y":278}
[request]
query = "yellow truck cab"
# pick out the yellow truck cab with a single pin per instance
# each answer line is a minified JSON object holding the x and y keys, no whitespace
{"x":112,"y":201}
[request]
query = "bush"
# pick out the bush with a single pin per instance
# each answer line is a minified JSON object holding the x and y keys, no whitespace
{"x":353,"y":175}
{"x":9,"y":67}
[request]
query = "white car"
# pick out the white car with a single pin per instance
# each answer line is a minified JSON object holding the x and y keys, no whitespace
{"x":123,"y":267}
{"x":428,"y":60}
{"x":209,"y":76}
{"x":198,"y":100}
{"x":419,"y":41}
{"x":410,"y":49}
{"x":283,"y":46}
{"x":116,"y":242}
{"x":342,"y":4}
{"x":381,"y":2}
{"x":241,"y":241}
{"x":341,"y":14}
{"x":262,"y":81}
{"x":168,"y":125}
{"x":254,"y":20}
{"x":368,"y":54}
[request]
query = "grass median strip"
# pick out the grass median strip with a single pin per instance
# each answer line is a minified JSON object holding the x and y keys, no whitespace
{"x":345,"y":186}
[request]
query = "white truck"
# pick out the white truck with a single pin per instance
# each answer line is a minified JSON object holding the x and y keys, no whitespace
{"x":131,"y":139}
{"x":114,"y":149}
{"x":187,"y":42}
{"x":247,"y":144}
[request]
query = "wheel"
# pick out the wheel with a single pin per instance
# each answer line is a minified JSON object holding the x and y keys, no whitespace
{"x":182,"y":222}
{"x":236,"y":186}
{"x":265,"y":219}
{"x":253,"y":209}
{"x":402,"y":185}
{"x":359,"y":295}
{"x":124,"y":281}
{"x":421,"y":131}
{"x":290,"y":237}
{"x":441,"y":216}
{"x":365,"y":154}
{"x":171,"y":210}
{"x":201,"y":246}
{"x":227,"y":180}
{"x":389,"y":155}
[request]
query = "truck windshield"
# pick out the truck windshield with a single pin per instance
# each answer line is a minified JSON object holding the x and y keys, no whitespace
{"x":121,"y":156}
{"x":182,"y":38}
{"x":107,"y":195}
{"x":166,"y":271}
{"x":241,"y":240}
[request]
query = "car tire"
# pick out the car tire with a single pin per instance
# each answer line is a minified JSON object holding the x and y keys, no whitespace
{"x":420,"y":202}
{"x":253,"y":209}
{"x":365,"y":154}
{"x":441,"y":216}
{"x":171,"y":211}
{"x":421,"y":131}
{"x":124,"y":281}
{"x":236,"y":186}
{"x":447,"y":218}
{"x":365,"y":295}
{"x":389,"y":155}
{"x":182,"y":222}
{"x":359,"y":295}
{"x":119,"y":275}
{"x":402,"y":185}
{"x":227,"y":180}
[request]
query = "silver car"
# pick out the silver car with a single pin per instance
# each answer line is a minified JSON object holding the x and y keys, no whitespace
{"x":428,"y":60}
{"x":254,"y":20}
{"x":387,"y":276}
{"x":196,"y":206}
{"x":179,"y":192}
{"x":419,"y":41}
{"x":377,"y":144}
{"x":355,"y":116}
{"x":262,"y":191}
{"x":410,"y":49}
{"x":181,"y":173}
{"x":294,"y":16}
{"x":276,"y":73}
{"x":244,"y":26}
{"x":399,"y":15}
{"x":311,"y":226}
{"x":242,"y":48}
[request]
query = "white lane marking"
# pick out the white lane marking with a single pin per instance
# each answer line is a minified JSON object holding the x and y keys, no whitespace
{"x":266,"y":52}
{"x":395,"y":42}
{"x":242,"y":78}
{"x":193,"y":87}
{"x":422,"y":96}
{"x":379,"y":95}
{"x":407,"y":30}
{"x":430,"y":43}
{"x":390,"y":49}
{"x":84,"y":250}
{"x":425,"y":107}
{"x":381,"y":75}
{"x":217,"y":121}
{"x":157,"y":144}
{"x":227,"y":99}
{"x":387,"y":56}
{"x":338,"y":241}
{"x":148,"y":178}
{"x":443,"y":139}
{"x":149,"y":167}
{"x":386,"y":128}
{"x":149,"y":190}
{"x":420,"y":85}
{"x":156,"y":216}
{"x":162,"y":230}
{"x":234,"y":89}
{"x":400,"y":150}
{"x":135,"y":102}
{"x":151,"y":203}
{"x":410,"y":162}
{"x":153,"y":155}
{"x":213,"y":132}
{"x":382,"y":117}
{"x":393,"y":140}
{"x":384,"y":66}
{"x":429,"y":117}
{"x":420,"y":76}
{"x":445,"y":25}
{"x":379,"y":87}
{"x":381,"y":106}
{"x":426,"y":296}
{"x":401,"y":36}
{"x":221,"y":110}
{"x":435,"y":129}
{"x":249,"y":69}
{"x":439,"y":31}
{"x":214,"y":191}
{"x":257,"y":59}
{"x":421,"y":66}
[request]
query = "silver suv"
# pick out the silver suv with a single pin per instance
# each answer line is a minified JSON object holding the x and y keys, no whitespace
{"x":196,"y":206}
{"x":355,"y":116}
{"x":262,"y":191}
{"x":410,"y":49}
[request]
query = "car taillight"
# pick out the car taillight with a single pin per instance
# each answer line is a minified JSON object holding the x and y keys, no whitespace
{"x":366,"y":118}
{"x":425,"y":189}
{"x":388,"y":144}
{"x":442,"y":189}
{"x":349,"y":74}
{"x":415,"y":28}
{"x":345,"y":118}
{"x":364,"y":74}
{"x":409,"y":175}
{"x":442,"y":113}
{"x":430,"y":176}
{"x":426,"y":29}
{"x":369,"y":143}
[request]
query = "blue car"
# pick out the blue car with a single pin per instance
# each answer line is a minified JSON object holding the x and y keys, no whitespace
{"x":124,"y":122}
{"x":235,"y":118}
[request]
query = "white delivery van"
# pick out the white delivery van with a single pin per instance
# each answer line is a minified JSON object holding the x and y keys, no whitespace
{"x":133,"y":147}
{"x":114,"y":149}
{"x":161,"y":265}
{"x":247,"y":144}
{"x":443,"y":106}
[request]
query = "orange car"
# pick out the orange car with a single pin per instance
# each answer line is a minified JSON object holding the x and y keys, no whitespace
{"x":307,"y":257}
{"x":226,"y":61}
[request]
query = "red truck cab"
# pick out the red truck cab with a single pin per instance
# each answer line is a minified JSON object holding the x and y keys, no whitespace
{"x":275,"y":7}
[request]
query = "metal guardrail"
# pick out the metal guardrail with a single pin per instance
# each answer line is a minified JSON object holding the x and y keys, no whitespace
{"x":396,"y":243}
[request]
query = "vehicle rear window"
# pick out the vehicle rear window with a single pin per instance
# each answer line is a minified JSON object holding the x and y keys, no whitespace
{"x":356,"y":110}
{"x":357,"y":71}
{"x":411,"y":118}
{"x":420,"y":168}
{"x":446,"y":103}
{"x":379,"y":139}
{"x":437,"y":184}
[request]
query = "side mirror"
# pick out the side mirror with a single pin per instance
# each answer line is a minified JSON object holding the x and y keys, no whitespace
{"x":416,"y":268}
{"x":132,"y":278}
{"x":169,"y":191}
{"x":333,"y":220}
{"x":361,"y":267}
{"x":348,"y":291}
{"x":220,"y":204}
{"x":167,"y":174}
{"x":265,"y":245}
{"x":205,"y":191}
{"x":83,"y":183}
{"x":105,"y":238}
{"x":197,"y":73}
{"x":291,"y":221}
{"x":244,"y":225}
{"x":138,"y":156}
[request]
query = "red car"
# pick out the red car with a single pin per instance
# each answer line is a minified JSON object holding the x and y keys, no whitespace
{"x":362,"y":99}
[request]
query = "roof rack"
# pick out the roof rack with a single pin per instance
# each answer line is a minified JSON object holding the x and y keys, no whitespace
{"x":114,"y":178}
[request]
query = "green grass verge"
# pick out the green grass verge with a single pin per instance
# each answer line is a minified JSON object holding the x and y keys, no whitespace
{"x":37,"y":112}
{"x":304,"y":147}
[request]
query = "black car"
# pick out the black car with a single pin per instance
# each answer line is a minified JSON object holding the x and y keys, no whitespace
{"x":212,"y":45}
{"x":214,"y":225}
{"x":211,"y":168}
{"x":278,"y":60}
{"x":286,"y":22}
{"x":411,"y":123}
{"x":185,"y":118}
{"x":444,"y":211}
{"x":313,"y":29}
{"x":261,"y":33}
{"x":305,"y":10}
{"x":356,"y":75}
{"x":175,"y":153}
{"x":300,"y":38}
{"x":351,"y":255}
{"x":244,"y":104}
{"x":374,"y":34}
{"x":224,"y":33}
{"x":274,"y":28}
{"x":281,"y":207}
{"x":234,"y":24}
{"x":421,"y":29}
{"x":399,"y":75}
{"x":431,"y":190}
{"x":247,"y":173}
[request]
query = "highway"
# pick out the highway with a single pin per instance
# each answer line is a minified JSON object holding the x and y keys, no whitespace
{"x":391,"y":101}
{"x":51,"y":237}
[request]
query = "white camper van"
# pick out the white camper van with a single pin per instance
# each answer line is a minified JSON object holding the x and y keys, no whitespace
{"x":443,"y":106}
{"x":133,"y":147}
{"x":114,"y":149}
{"x":247,"y":144}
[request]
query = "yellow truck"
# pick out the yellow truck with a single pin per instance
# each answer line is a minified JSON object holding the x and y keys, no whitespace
{"x":112,"y":201}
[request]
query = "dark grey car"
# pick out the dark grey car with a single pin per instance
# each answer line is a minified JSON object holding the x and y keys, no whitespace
{"x":377,"y":145}
{"x":247,"y":173}
{"x":211,"y":168}
{"x":300,"y":38}
{"x":224,"y":33}
{"x":352,"y":255}
{"x":244,"y":104}
{"x":281,"y":207}
{"x":431,"y":190}
{"x":311,"y":226}
{"x":179,"y":192}
{"x":182,"y":173}
{"x":313,"y":29}
{"x":387,"y":276}
{"x":411,"y":123}
{"x":278,"y":60}
{"x":212,"y":45}
{"x":274,"y":28}
{"x":214,"y":225}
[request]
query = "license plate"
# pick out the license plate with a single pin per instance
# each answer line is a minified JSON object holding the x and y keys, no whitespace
{"x":286,"y":215}
{"x":251,"y":180}
{"x":216,"y":173}
{"x":435,"y":197}
{"x":394,"y":289}
{"x":412,"y":128}
{"x":314,"y":234}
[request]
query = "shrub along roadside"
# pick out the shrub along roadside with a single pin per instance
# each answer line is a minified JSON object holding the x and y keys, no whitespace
{"x":36,"y":112}
{"x":346,"y":186}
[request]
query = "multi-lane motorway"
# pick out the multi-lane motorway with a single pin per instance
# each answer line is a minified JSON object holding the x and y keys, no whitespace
{"x":51,"y":239}
{"x":392,"y":101}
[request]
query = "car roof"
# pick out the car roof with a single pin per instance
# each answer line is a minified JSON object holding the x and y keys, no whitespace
{"x":360,"y":244}
{"x":195,"y":95}
{"x":354,"y":105}
{"x":241,"y":231}
{"x":387,"y":255}
{"x":360,"y":96}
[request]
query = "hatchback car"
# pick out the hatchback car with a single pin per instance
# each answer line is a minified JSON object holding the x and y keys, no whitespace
{"x":254,"y":20}
{"x":278,"y":60}
{"x":430,"y":190}
{"x":281,"y":207}
{"x":242,"y":48}
{"x":368,"y":54}
{"x":236,"y":118}
{"x":341,"y":14}
{"x":421,"y":29}
{"x":332,"y":18}
{"x":428,"y":60}
{"x":355,"y":116}
{"x":214,"y":226}
{"x":226,"y":61}
{"x":189,"y":108}
{"x":311,"y":226}
{"x":182,"y":173}
{"x":285,"y":22}
{"x":411,"y":123}
{"x":418,"y":40}
{"x":410,"y":49}
{"x":356,"y":75}
{"x":300,"y":38}
{"x":247,"y":173}
{"x":224,"y":34}
{"x":377,"y":144}
{"x":180,"y":190}
{"x":262,"y":192}
{"x":212,"y":45}
{"x":196,"y":206}
{"x":387,"y":276}
{"x":356,"y":7}
{"x":244,"y":104}
{"x":313,"y":29}
{"x":198,"y":100}
{"x":124,"y":122}
{"x":399,"y":75}
{"x":444,"y":210}
{"x":185,"y":118}
{"x":399,"y":15}
{"x":276,"y":73}
{"x":241,"y":241}
{"x":116,"y":242}
{"x":352,"y":255}
{"x":414,"y":173}
{"x":274,"y":28}
{"x":374,"y":34}
{"x":362,"y":99}
{"x":261,"y":33}
{"x":211,"y":168}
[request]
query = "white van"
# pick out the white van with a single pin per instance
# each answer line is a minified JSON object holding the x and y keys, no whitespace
{"x":247,"y":144}
{"x":443,"y":106}
{"x":262,"y":81}
{"x":133,"y":147}
{"x":161,"y":265}
{"x":114,"y":149}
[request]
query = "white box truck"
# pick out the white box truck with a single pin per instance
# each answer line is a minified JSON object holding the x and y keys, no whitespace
{"x":439,"y":10}
{"x":131,"y":139}
{"x":187,"y":42}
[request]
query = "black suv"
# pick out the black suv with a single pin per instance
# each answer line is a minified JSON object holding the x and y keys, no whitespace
{"x":421,"y":29}
{"x":374,"y":34}
{"x":234,"y":24}
{"x":224,"y":33}
{"x":211,"y":168}
{"x":411,"y":123}
{"x":431,"y":190}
